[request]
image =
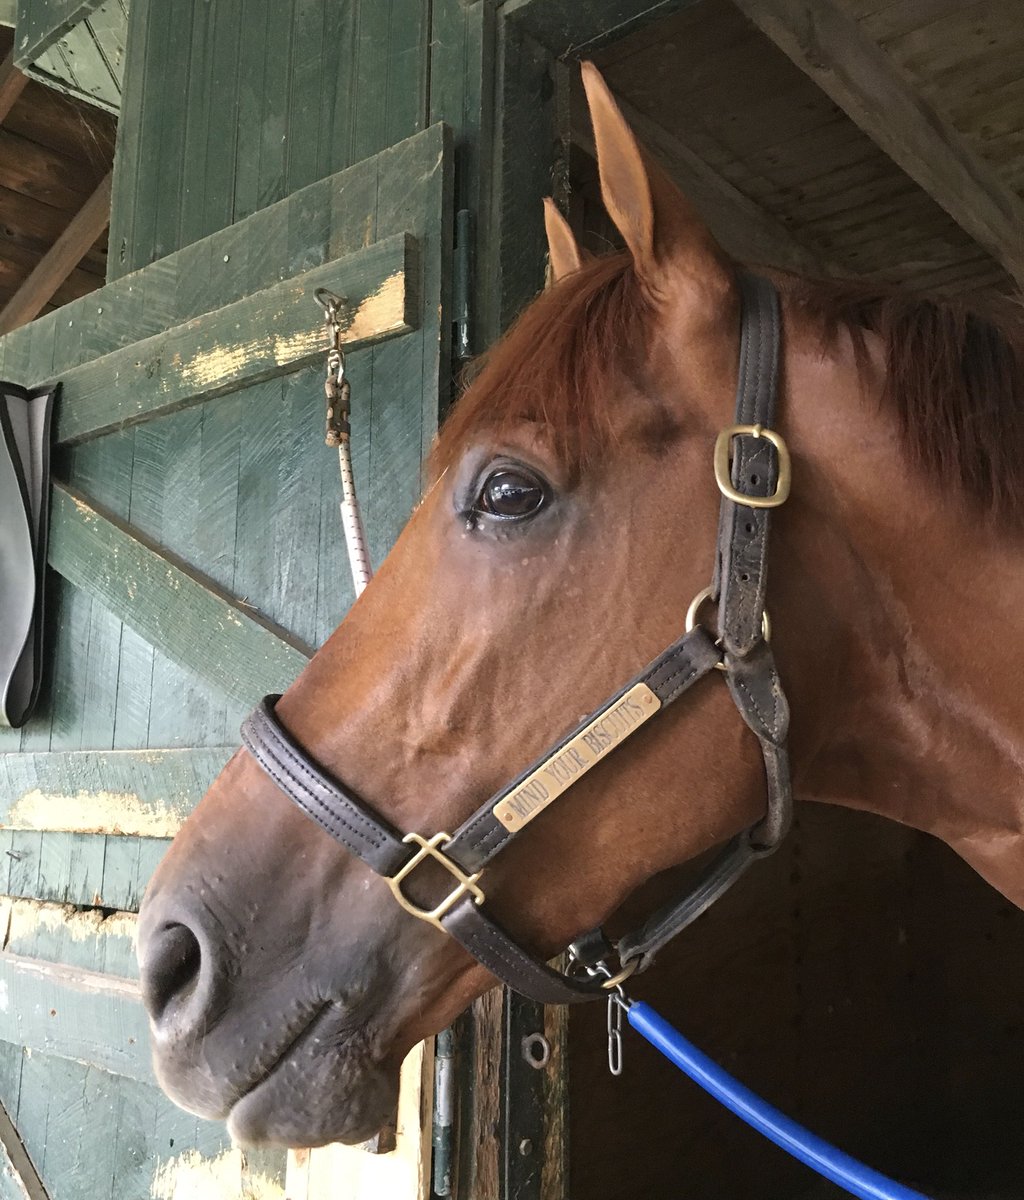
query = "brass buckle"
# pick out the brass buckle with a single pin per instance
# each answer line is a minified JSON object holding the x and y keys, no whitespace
{"x":723,"y":446}
{"x":701,"y":598}
{"x":429,"y":849}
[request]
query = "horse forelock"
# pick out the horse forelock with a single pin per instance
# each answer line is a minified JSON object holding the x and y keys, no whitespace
{"x":557,"y":367}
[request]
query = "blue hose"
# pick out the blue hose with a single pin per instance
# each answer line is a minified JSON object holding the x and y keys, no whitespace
{"x":818,"y":1154}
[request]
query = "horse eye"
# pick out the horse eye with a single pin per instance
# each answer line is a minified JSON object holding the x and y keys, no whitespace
{"x":511,"y":494}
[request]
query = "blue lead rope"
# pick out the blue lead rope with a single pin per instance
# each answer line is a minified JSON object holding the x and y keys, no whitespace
{"x":818,"y":1154}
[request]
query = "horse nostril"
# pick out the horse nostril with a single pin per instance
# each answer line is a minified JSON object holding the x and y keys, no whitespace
{"x":171,"y":970}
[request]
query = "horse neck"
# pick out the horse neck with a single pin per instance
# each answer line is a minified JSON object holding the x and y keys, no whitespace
{"x":907,"y":694}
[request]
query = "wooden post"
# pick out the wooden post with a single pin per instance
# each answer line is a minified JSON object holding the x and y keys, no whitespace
{"x":12,"y":83}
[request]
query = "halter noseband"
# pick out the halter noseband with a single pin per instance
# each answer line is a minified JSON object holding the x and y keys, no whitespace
{"x":757,"y":481}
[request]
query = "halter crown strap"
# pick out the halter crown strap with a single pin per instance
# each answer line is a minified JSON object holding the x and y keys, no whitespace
{"x":752,"y":470}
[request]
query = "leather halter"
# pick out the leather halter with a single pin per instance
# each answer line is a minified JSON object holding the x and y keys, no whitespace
{"x":757,"y":481}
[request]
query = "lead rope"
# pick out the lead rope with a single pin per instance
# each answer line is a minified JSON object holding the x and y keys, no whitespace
{"x":338,"y":432}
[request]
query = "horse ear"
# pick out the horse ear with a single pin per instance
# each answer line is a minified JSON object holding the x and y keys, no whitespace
{"x":661,"y":228}
{"x":563,"y":252}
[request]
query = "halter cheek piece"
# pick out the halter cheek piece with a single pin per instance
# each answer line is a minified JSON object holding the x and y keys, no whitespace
{"x":756,"y":482}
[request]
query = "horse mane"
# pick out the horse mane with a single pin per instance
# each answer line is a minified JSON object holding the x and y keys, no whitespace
{"x":954,"y":373}
{"x":954,"y":378}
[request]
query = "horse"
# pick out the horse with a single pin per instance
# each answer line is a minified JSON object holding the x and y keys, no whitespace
{"x":570,"y":518}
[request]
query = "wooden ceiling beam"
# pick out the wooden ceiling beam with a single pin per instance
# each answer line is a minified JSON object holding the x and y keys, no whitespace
{"x":12,"y":83}
{"x":870,"y":87}
{"x":59,"y":261}
{"x":746,"y":230}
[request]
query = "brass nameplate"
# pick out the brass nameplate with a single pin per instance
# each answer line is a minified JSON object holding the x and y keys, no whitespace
{"x":558,"y":773}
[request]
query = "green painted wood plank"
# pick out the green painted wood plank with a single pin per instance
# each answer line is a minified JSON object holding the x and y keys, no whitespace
{"x":121,"y":879}
{"x":338,"y":101}
{"x":223,"y":120}
{"x":92,"y":940}
{"x":85,"y":73}
{"x":120,"y":259}
{"x":408,"y":69}
{"x":157,"y":29}
{"x":151,"y":853}
{"x":148,"y":793}
{"x":253,"y":339}
{"x":251,"y":56}
{"x":310,"y":52}
{"x":109,"y":26}
{"x":154,"y":1149}
{"x":42,"y":23}
{"x":71,"y":869}
{"x":372,"y":68}
{"x":24,"y":856}
{"x":215,"y":539}
{"x":197,"y":102}
{"x":308,"y":228}
{"x":196,"y":624}
{"x":275,"y":128}
{"x":83,"y":1015}
{"x":160,"y":189}
{"x":11,"y":1060}
{"x":295,"y":538}
{"x":70,"y":650}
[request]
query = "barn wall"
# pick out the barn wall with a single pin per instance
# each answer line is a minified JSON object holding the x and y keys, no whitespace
{"x":231,"y":106}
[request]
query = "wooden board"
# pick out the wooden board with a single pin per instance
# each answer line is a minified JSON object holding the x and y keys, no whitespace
{"x":257,"y":337}
{"x":140,"y":793}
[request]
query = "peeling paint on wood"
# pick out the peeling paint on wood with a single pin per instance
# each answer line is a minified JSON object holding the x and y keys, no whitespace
{"x":95,"y":812}
{"x":255,"y":338}
{"x":139,"y":792}
{"x":190,"y":1176}
{"x":23,"y":918}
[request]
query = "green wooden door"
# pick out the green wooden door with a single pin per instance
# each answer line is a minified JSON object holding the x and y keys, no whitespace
{"x":198,"y":560}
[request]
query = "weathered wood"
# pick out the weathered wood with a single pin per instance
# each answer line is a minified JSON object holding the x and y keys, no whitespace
{"x":203,"y":628}
{"x":12,"y":83}
{"x":18,"y":1173}
{"x":255,"y":338}
{"x":744,"y":228}
{"x":84,"y":1015}
{"x":876,"y":94}
{"x":59,"y":261}
{"x":42,"y":23}
{"x":145,"y":793}
{"x":90,"y":939}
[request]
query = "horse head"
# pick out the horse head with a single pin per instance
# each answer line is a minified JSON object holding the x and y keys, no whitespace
{"x":571,"y":518}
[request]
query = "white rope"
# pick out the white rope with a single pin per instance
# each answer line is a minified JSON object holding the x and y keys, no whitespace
{"x":352,"y":522}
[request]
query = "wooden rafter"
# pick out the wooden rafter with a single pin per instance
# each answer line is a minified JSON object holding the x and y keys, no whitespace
{"x":744,"y":228}
{"x":59,"y":261}
{"x":858,"y":75}
{"x":12,"y":83}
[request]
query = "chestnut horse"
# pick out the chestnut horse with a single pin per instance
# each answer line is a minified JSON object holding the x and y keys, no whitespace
{"x":571,"y":519}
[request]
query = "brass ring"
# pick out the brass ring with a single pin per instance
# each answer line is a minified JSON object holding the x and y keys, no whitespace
{"x":613,"y":981}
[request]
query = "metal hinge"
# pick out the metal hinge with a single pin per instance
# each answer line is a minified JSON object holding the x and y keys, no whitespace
{"x":462,"y":268}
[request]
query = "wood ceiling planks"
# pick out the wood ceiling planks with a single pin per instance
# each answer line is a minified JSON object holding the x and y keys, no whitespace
{"x":716,"y":84}
{"x":54,"y":153}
